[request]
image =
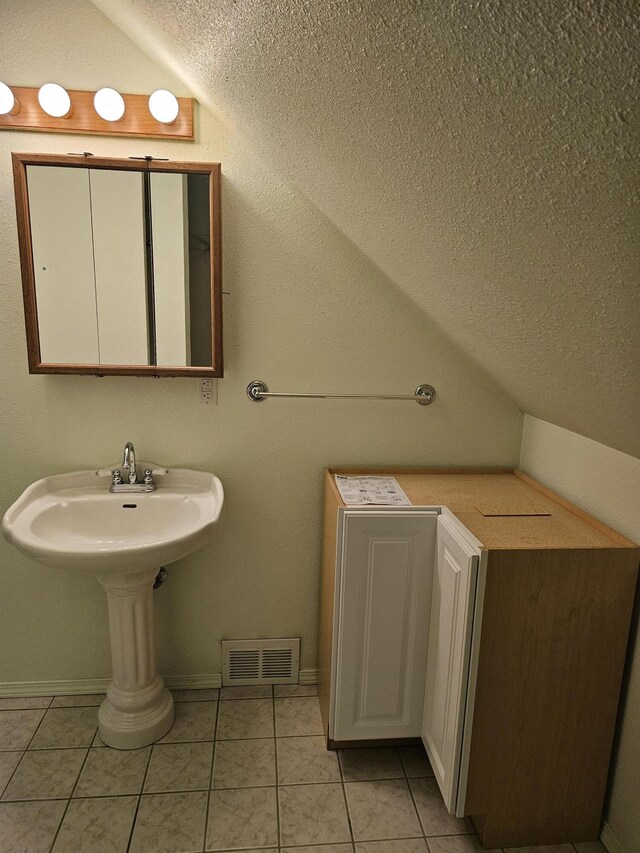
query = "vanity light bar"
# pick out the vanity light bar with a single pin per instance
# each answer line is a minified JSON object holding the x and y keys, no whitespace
{"x":25,"y":108}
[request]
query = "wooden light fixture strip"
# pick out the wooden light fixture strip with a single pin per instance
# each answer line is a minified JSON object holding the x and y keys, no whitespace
{"x":137,"y":120}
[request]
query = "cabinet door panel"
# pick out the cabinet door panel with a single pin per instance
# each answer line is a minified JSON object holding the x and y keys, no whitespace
{"x":450,"y":631}
{"x":385,"y":569}
{"x":63,"y":264}
{"x":117,"y":211}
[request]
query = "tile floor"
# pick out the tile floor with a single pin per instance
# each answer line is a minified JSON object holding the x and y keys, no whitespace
{"x":241,"y":769}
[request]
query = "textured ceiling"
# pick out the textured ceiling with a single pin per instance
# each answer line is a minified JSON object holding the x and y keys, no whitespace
{"x":480,"y":153}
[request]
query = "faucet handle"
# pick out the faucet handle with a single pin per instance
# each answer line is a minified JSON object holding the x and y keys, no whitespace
{"x":148,"y":478}
{"x":156,"y":470}
{"x":116,"y":477}
{"x":106,"y":472}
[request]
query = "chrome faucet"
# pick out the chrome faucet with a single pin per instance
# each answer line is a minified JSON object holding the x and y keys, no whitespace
{"x":129,"y":462}
{"x":147,"y":484}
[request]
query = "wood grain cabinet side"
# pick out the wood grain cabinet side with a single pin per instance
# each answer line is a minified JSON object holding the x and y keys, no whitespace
{"x":552,"y":649}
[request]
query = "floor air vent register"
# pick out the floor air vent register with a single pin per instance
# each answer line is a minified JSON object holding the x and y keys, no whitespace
{"x":274,"y":661}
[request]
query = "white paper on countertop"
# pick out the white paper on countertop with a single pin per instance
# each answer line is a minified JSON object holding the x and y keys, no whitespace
{"x":385,"y":491}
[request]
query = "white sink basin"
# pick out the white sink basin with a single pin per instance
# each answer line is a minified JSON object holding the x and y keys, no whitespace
{"x":72,"y":521}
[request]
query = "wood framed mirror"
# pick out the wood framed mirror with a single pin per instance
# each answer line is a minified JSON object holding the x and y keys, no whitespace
{"x":121,"y":265}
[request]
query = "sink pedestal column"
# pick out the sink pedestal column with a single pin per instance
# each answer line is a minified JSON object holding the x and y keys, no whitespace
{"x":138,"y":709}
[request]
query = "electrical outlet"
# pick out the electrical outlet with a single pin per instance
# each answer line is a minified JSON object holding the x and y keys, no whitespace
{"x":209,"y":391}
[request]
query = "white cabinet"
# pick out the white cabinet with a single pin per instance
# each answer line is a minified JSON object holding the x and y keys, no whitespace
{"x":447,"y":687}
{"x":383,"y":587}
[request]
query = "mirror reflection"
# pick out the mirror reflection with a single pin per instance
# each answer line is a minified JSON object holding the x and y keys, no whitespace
{"x":122,"y":265}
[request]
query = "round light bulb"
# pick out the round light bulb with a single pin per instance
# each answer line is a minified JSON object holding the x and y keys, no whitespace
{"x":7,"y":101}
{"x":109,"y":104}
{"x":54,"y":100}
{"x":164,"y":106}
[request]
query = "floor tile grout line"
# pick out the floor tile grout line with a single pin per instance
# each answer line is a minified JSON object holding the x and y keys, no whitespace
{"x":205,"y":790}
{"x":24,"y":751}
{"x":299,"y":737}
{"x":109,"y":796}
{"x":3,"y":790}
{"x":28,"y":707}
{"x":205,"y":740}
{"x":413,"y":800}
{"x":281,"y":785}
{"x":180,"y":701}
{"x":346,"y":801}
{"x":75,"y":785}
{"x":244,"y":698}
{"x":39,"y":799}
{"x":213,"y":759}
{"x":176,"y":702}
{"x":467,"y":834}
{"x":139,"y":800}
{"x":319,"y":844}
{"x":31,"y":748}
{"x":37,"y":728}
{"x":275,"y":758}
{"x":404,"y":778}
{"x":268,"y":698}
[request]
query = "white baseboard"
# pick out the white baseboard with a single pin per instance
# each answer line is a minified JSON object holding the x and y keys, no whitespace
{"x":308,"y":676}
{"x":99,"y":685}
{"x":193,"y":682}
{"x":54,"y":688}
{"x":80,"y":686}
{"x":610,"y":840}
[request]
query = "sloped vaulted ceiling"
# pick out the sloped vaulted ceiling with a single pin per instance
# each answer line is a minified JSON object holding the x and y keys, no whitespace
{"x":480,"y":153}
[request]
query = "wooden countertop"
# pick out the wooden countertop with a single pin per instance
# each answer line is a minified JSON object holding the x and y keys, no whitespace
{"x":503,"y":508}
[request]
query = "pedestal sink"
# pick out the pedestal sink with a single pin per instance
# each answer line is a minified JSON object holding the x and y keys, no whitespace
{"x":72,"y":521}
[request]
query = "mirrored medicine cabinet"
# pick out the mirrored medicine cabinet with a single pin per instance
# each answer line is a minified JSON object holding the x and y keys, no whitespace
{"x":121,"y":265}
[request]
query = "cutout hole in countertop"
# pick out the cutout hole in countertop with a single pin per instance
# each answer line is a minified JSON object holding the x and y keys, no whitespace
{"x":516,"y":514}
{"x":512,"y":509}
